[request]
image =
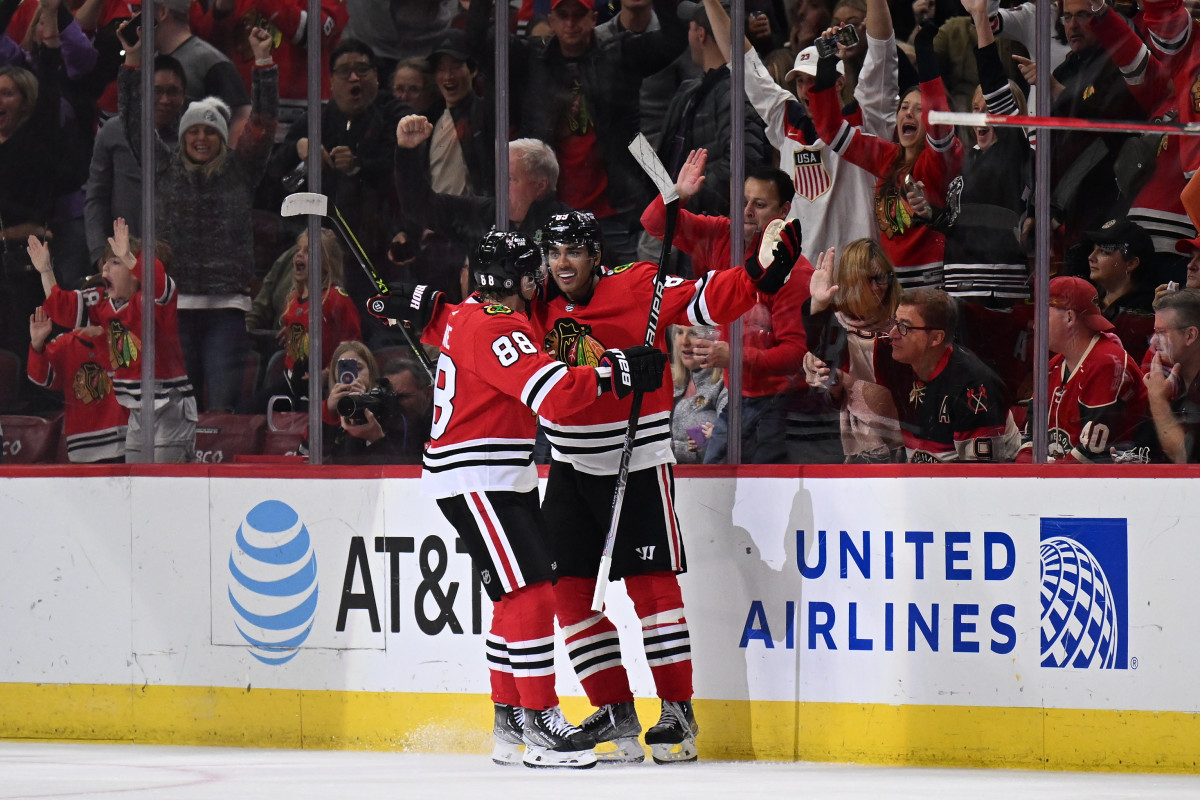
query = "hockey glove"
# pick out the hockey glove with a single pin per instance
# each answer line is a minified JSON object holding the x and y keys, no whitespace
{"x":406,"y":302}
{"x":634,"y":369}
{"x":770,"y":264}
{"x":827,"y":73}
{"x":928,"y":67}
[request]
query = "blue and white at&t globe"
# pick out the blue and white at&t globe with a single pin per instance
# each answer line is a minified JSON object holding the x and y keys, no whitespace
{"x":273,"y":582}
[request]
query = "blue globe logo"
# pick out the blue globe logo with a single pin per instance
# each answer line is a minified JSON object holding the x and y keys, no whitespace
{"x":1079,"y":618}
{"x":273,"y":586}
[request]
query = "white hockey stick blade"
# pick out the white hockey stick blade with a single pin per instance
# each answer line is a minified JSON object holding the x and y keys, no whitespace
{"x":305,"y":203}
{"x":648,"y":159}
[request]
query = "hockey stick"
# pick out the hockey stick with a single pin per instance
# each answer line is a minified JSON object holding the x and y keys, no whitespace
{"x":648,"y":159}
{"x":318,"y":205}
{"x":973,"y":120}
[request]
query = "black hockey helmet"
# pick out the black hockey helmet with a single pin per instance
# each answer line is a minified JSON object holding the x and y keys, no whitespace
{"x":573,"y":227}
{"x":502,"y":258}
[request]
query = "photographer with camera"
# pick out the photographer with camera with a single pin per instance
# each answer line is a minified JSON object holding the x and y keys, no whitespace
{"x":363,"y":420}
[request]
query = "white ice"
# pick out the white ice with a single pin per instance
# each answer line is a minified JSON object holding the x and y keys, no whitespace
{"x":115,"y":772}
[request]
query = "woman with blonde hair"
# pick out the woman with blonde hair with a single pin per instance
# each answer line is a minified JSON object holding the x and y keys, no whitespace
{"x":853,"y":302}
{"x":700,"y":394}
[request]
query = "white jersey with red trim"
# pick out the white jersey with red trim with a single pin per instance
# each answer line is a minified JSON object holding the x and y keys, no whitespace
{"x":615,"y":317}
{"x":491,"y":379}
{"x":831,"y":193}
{"x":1097,"y":406}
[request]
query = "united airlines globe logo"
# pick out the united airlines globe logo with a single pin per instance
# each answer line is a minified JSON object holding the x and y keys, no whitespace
{"x":273,"y":582}
{"x":1080,"y":625}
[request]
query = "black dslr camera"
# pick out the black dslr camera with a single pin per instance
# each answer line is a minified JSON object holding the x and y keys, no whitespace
{"x":382,"y":400}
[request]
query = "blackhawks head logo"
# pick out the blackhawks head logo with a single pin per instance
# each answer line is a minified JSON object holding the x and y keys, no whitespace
{"x":91,"y":383}
{"x":573,"y":344}
{"x":123,"y":346}
{"x":296,"y":343}
{"x":892,"y":211}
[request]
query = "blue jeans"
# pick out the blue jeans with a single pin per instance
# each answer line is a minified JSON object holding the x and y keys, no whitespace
{"x":620,"y":241}
{"x":764,"y":427}
{"x":215,"y":344}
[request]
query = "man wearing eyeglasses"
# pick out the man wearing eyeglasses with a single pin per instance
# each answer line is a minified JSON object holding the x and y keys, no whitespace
{"x":1171,"y":384}
{"x":357,"y":148}
{"x":951,"y":406}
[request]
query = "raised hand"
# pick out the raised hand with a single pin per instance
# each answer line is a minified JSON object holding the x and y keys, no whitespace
{"x":133,"y":51}
{"x":1028,"y":68}
{"x":260,"y":44}
{"x":40,"y":327}
{"x":39,"y":254}
{"x":779,"y":246}
{"x":119,"y":242}
{"x":821,"y":286}
{"x":412,"y":130}
{"x":691,"y":175}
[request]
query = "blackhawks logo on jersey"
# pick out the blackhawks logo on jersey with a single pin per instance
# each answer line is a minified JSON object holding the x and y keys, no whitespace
{"x":91,"y":383}
{"x":573,"y":344}
{"x":123,"y":346}
{"x":892,"y":211}
{"x":497,"y":308}
{"x":296,"y":342}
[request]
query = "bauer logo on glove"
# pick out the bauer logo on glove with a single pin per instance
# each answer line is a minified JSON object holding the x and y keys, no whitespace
{"x":634,"y":369}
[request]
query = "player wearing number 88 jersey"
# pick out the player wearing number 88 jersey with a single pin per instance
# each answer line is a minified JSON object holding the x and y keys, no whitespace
{"x":491,"y":380}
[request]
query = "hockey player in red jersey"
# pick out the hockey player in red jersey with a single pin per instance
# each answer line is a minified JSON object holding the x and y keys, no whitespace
{"x":479,"y":466}
{"x":588,"y":309}
{"x":1097,"y":397}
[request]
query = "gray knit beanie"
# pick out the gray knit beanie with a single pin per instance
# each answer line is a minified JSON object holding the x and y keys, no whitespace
{"x":211,"y":111}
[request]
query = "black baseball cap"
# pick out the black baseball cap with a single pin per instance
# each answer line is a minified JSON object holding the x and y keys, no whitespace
{"x":1124,"y":231}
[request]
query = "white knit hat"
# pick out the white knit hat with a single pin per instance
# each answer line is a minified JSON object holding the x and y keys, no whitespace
{"x":211,"y":111}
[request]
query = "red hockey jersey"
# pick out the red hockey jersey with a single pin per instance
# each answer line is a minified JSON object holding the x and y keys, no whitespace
{"x":615,"y":317}
{"x":339,"y":323}
{"x":1097,"y":406}
{"x":122,"y":325}
{"x":94,"y":421}
{"x":287,"y":22}
{"x":915,"y":250}
{"x":492,"y":378}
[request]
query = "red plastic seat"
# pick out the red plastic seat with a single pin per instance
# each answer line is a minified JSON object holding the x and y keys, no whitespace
{"x":30,"y":440}
{"x":220,"y":437}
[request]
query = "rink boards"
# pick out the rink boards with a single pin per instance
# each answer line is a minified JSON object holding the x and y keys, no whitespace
{"x":1039,"y":619}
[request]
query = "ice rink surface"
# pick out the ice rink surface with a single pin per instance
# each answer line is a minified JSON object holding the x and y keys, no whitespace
{"x":115,"y":772}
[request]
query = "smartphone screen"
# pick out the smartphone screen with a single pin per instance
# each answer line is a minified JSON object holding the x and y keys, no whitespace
{"x":347,"y":370}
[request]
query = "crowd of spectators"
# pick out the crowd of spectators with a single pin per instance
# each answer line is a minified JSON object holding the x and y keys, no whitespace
{"x":905,"y":333}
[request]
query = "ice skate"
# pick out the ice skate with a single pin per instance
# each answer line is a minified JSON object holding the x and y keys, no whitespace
{"x":551,"y":741}
{"x":507,"y":735}
{"x":673,"y":739}
{"x":615,"y":728}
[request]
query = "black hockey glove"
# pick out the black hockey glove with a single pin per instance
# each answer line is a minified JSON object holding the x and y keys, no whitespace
{"x":634,"y":369}
{"x":827,"y":73}
{"x":406,"y":302}
{"x":775,"y":253}
{"x":927,"y":60}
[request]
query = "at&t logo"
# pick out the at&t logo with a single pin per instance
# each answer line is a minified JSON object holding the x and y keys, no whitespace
{"x":273,"y":582}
